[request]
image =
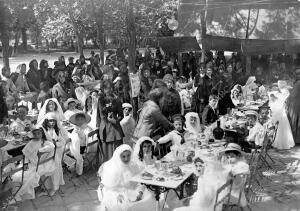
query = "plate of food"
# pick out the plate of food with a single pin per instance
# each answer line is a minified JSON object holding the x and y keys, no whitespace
{"x":176,"y":170}
{"x":177,"y":177}
{"x":160,"y":179}
{"x":147,"y":176}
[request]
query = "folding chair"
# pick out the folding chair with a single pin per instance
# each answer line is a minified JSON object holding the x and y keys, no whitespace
{"x":237,"y":204}
{"x":44,"y":161}
{"x":225,"y":190}
{"x":19,"y":165}
{"x":90,"y":157}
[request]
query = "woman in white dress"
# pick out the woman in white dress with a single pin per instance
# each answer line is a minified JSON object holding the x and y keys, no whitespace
{"x":284,"y":137}
{"x":51,"y":105}
{"x":116,"y":192}
{"x":54,"y":132}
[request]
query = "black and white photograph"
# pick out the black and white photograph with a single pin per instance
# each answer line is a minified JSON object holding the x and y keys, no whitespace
{"x":150,"y":105}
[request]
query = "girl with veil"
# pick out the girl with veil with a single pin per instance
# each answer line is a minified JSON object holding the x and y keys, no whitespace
{"x":116,"y":192}
{"x":192,"y":123}
{"x":249,"y":88}
{"x":143,"y":152}
{"x":51,"y":105}
{"x":284,"y":138}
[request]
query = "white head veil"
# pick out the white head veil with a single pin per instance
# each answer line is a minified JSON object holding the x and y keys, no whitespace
{"x":138,"y":146}
{"x":59,"y":112}
{"x":189,"y":127}
{"x":113,"y":171}
{"x":82,"y":94}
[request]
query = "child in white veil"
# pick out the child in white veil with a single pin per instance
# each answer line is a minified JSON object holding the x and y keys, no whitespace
{"x":47,"y":107}
{"x":192,"y":122}
{"x":116,"y":192}
{"x":143,"y":152}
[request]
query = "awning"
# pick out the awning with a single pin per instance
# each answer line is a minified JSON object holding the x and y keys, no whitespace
{"x":221,"y":43}
{"x":178,"y":44}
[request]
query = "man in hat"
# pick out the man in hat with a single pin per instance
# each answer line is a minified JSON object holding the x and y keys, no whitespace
{"x":172,"y":97}
{"x":293,"y":107}
{"x":127,"y":124}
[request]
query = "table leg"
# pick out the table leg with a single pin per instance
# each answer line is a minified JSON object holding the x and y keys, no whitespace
{"x":157,"y":197}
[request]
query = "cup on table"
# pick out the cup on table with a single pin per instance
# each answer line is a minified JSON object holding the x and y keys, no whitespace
{"x":157,"y":164}
{"x":164,"y":165}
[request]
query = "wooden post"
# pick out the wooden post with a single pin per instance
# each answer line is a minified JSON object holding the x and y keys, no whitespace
{"x":4,"y":33}
{"x":248,"y":58}
{"x":203,"y":30}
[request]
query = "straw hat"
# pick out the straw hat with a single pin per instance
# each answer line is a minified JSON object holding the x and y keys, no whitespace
{"x":126,"y":105}
{"x":75,"y":122}
{"x":233,"y":147}
{"x":251,"y":113}
{"x":70,"y":100}
{"x":180,"y":117}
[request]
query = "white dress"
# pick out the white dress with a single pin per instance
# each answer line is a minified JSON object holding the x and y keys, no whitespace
{"x":284,"y":138}
{"x":115,"y":176}
{"x":58,"y":178}
{"x":31,"y":177}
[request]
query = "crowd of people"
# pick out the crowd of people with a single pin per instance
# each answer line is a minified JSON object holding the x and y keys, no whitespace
{"x":173,"y":107}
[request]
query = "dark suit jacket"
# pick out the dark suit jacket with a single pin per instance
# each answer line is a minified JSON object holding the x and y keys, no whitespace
{"x":209,"y":116}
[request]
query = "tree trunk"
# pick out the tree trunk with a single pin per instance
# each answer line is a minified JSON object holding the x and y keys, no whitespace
{"x":4,"y":33}
{"x":16,"y":41}
{"x":48,"y":47}
{"x":37,"y":37}
{"x":79,"y":42}
{"x":5,"y":47}
{"x":24,"y":38}
{"x":203,"y":33}
{"x":131,"y":33}
{"x":99,"y":16}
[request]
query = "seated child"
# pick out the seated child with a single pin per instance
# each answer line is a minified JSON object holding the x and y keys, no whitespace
{"x":21,"y":123}
{"x":192,"y":186}
{"x":237,"y":167}
{"x":143,"y":152}
{"x":127,"y":124}
{"x":79,"y":137}
{"x":39,"y":143}
{"x":256,"y":130}
{"x":177,"y":136}
{"x":70,"y":106}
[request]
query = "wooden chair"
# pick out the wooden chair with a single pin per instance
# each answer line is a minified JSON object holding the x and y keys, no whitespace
{"x":225,"y":190}
{"x":19,"y":165}
{"x":44,"y":161}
